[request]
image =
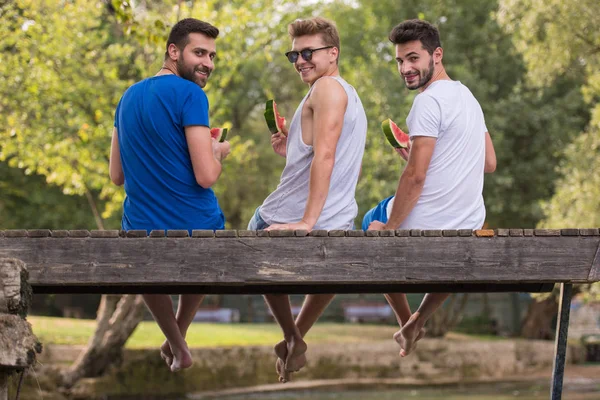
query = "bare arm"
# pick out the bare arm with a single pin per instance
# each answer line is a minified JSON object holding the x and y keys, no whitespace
{"x":490,"y":155}
{"x":412,"y":180}
{"x":115,"y":169}
{"x":328,"y":101}
{"x":206,"y":154}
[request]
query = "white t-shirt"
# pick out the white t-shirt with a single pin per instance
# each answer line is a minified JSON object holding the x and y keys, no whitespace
{"x":452,"y":196}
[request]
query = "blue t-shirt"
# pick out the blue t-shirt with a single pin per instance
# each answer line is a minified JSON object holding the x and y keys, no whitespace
{"x":160,"y":186}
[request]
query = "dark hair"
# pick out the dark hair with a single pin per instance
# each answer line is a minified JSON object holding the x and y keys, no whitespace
{"x":180,"y":32}
{"x":415,"y":29}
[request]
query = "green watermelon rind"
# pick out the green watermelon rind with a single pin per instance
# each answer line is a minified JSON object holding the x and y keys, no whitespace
{"x":223,"y":135}
{"x":387,"y":131}
{"x":270,"y":117}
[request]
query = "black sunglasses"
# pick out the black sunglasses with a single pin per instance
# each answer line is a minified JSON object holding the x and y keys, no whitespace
{"x":306,"y":54}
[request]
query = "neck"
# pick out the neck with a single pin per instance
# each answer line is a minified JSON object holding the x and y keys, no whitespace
{"x":439,"y":75}
{"x":332,"y":72}
{"x":168,"y":68}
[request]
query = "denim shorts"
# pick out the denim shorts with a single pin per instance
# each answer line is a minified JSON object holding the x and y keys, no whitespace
{"x":256,"y":222}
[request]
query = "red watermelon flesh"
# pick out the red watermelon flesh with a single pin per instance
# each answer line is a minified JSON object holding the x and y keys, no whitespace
{"x":275,"y":122}
{"x":395,"y":135}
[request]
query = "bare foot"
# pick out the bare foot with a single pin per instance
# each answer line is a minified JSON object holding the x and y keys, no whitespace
{"x":409,"y":335}
{"x":281,"y":352}
{"x":166,"y":353}
{"x":182,"y":358}
{"x":296,"y":357}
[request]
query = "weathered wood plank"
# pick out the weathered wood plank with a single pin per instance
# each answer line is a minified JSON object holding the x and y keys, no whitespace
{"x":546,"y":232}
{"x":242,"y":234}
{"x":484,"y":233}
{"x":228,"y":233}
{"x":432,"y":233}
{"x":136,"y":233}
{"x":355,"y":233}
{"x":15,"y":233}
{"x":157,"y":233}
{"x":450,"y":232}
{"x":503,"y":232}
{"x":569,"y":232}
{"x":10,"y":285}
{"x":303,"y":261}
{"x":105,"y":234}
{"x":59,"y":234}
{"x":300,"y":232}
{"x":403,"y":232}
{"x":595,"y":271}
{"x":589,"y":232}
{"x":178,"y":233}
{"x":38,"y":233}
{"x":79,"y":233}
{"x":516,"y":232}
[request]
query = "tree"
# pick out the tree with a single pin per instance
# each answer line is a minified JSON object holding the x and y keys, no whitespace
{"x":557,"y":38}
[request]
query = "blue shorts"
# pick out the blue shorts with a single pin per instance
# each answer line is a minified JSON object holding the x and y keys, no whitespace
{"x":256,"y":222}
{"x":377,"y":213}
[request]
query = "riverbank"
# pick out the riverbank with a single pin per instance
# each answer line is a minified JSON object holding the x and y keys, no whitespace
{"x":456,"y":359}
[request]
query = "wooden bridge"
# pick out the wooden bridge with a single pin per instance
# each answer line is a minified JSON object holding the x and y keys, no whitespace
{"x":250,"y":262}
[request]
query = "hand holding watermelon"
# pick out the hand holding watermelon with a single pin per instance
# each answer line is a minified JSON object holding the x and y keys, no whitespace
{"x":219,"y":134}
{"x":275,"y":122}
{"x":397,"y":138}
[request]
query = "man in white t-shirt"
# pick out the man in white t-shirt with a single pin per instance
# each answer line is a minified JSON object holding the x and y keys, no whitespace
{"x":442,"y":183}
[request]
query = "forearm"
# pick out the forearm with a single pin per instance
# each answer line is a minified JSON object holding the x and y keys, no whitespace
{"x":320,"y":179}
{"x":408,"y":193}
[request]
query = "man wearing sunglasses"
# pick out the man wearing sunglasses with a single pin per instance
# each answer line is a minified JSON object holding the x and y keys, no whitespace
{"x":323,"y":151}
{"x":451,"y":149}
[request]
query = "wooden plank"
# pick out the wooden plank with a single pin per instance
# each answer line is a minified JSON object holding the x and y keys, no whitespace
{"x":178,"y":233}
{"x":336,"y":233}
{"x":484,"y":233}
{"x":79,"y":233}
{"x":244,"y":233}
{"x":569,"y":232}
{"x":300,"y":233}
{"x":202,"y":233}
{"x":403,"y":232}
{"x":502,"y":232}
{"x":432,"y":233}
{"x":38,"y":233}
{"x":415,"y":232}
{"x":303,"y":261}
{"x":355,"y":233}
{"x":318,"y":233}
{"x":263,"y":233}
{"x":157,"y":233}
{"x":516,"y":232}
{"x":450,"y":232}
{"x":137,"y":233}
{"x":372,"y":233}
{"x":589,"y":232}
{"x":595,"y":270}
{"x":282,"y":233}
{"x":527,"y":232}
{"x":387,"y":233}
{"x":227,"y":233}
{"x":546,"y":232}
{"x":10,"y":285}
{"x":59,"y":234}
{"x":15,"y":233}
{"x":104,"y":234}
{"x":465,"y":232}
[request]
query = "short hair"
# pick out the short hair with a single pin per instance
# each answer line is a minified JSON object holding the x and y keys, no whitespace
{"x":415,"y":29}
{"x":314,"y":26}
{"x":180,"y":32}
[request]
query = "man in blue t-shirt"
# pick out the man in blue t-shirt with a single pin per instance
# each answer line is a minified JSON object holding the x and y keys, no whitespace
{"x":163,"y":153}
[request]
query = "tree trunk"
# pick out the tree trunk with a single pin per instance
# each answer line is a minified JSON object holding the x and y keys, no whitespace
{"x":118,"y":316}
{"x":538,"y":321}
{"x":446,"y":318}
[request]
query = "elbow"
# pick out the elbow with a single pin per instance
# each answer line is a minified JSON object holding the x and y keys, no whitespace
{"x":416,"y":179}
{"x":117,"y":179}
{"x":490,"y":166}
{"x":206,"y":180}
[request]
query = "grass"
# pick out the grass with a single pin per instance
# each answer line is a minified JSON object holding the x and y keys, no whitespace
{"x":148,"y":335}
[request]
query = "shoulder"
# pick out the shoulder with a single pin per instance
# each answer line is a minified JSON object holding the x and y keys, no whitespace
{"x":328,"y":89}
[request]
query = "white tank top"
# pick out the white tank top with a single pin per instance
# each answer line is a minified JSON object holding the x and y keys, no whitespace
{"x":288,"y":202}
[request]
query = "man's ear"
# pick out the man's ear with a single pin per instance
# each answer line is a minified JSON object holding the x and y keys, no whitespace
{"x":173,"y":51}
{"x":438,"y":54}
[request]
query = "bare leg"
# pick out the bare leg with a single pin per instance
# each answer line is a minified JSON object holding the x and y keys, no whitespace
{"x":411,"y":331}
{"x":399,"y":304}
{"x":294,"y":357}
{"x":186,"y":310}
{"x":161,"y":307}
{"x":313,"y":307}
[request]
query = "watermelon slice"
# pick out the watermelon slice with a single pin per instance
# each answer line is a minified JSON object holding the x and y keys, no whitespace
{"x":275,"y":122}
{"x":395,"y":135}
{"x":220,"y":134}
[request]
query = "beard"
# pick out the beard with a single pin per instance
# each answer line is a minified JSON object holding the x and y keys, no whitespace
{"x":189,"y":73}
{"x":424,"y":80}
